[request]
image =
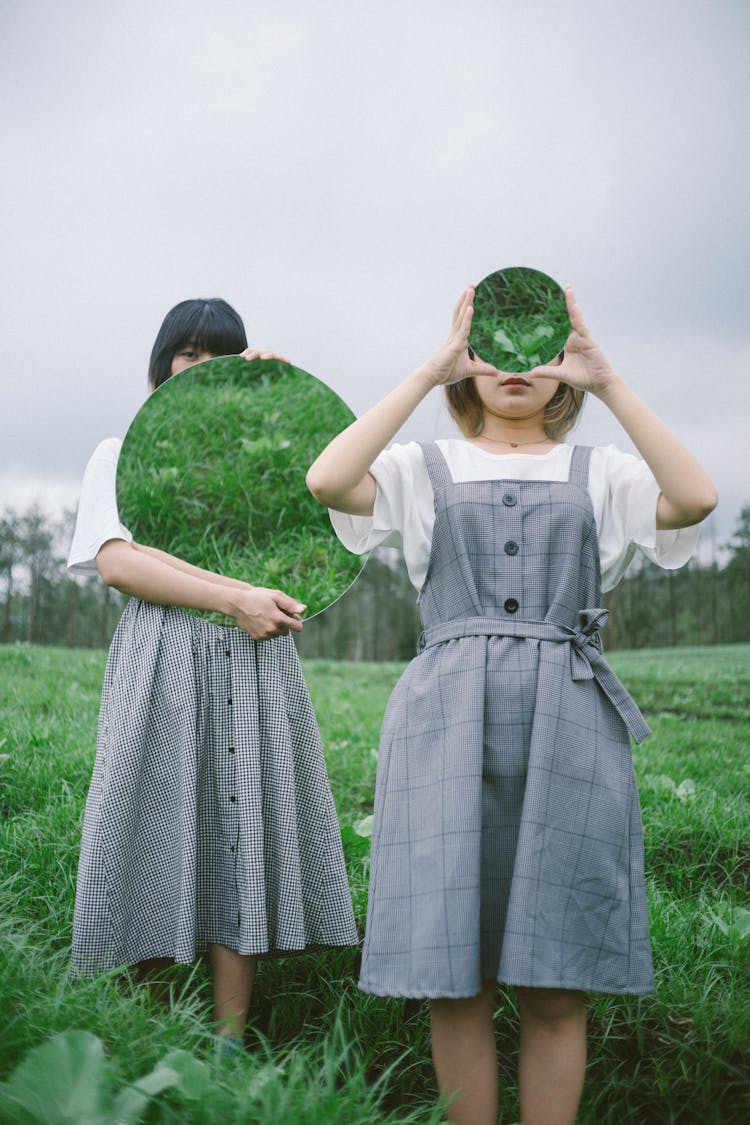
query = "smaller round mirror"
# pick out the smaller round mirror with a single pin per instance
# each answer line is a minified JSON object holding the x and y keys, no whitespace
{"x":212,"y":470}
{"x":520,"y":319}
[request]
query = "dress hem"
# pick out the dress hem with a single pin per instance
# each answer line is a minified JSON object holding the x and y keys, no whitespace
{"x":81,"y":971}
{"x":443,"y":995}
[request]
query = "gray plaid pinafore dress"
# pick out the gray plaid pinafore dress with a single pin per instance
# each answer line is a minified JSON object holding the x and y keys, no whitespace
{"x":507,"y":839}
{"x":209,"y":817}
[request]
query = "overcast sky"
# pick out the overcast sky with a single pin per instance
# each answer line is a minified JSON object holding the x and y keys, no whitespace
{"x":339,"y":170}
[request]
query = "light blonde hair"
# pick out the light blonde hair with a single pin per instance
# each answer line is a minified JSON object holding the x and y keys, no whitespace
{"x":560,"y":414}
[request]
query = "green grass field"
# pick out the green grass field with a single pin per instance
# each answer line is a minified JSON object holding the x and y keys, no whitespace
{"x":319,"y":1050}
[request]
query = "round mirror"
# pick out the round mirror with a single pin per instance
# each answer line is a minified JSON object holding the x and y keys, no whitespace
{"x":212,"y":470}
{"x":520,"y":319}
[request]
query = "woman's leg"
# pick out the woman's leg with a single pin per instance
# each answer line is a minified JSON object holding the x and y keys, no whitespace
{"x":463,"y":1051}
{"x":233,"y":975}
{"x":553,"y":1055}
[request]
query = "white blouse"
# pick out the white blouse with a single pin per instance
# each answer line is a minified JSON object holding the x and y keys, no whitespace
{"x":97,"y":519}
{"x":622,"y":488}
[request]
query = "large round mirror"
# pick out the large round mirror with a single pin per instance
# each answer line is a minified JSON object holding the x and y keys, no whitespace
{"x":520,"y":319}
{"x":213,"y":467}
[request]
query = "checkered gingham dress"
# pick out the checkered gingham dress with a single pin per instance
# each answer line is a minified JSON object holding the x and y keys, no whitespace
{"x":507,"y":840}
{"x":209,"y":817}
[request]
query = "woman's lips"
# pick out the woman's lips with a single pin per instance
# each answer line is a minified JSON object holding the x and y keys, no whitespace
{"x":516,"y":381}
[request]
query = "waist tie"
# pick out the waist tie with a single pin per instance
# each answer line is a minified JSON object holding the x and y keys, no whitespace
{"x":586,"y":660}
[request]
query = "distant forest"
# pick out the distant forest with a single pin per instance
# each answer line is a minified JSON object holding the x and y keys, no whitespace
{"x":377,"y":619}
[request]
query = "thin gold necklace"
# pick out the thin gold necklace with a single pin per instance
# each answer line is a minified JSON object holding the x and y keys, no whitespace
{"x":512,"y":444}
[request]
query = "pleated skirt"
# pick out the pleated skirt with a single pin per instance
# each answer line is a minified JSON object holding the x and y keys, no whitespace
{"x":210,"y":816}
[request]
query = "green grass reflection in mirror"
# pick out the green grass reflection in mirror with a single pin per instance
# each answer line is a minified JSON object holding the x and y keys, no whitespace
{"x":520,"y":319}
{"x":212,"y":470}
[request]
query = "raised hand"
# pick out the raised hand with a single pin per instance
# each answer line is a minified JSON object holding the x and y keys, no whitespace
{"x":453,"y":362}
{"x":340,"y":478}
{"x":262,"y":353}
{"x":584,"y":364}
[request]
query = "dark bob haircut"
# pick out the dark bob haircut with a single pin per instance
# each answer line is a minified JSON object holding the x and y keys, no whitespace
{"x":209,"y":325}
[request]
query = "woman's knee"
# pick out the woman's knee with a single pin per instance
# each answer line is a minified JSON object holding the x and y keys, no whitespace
{"x":549,"y":1005}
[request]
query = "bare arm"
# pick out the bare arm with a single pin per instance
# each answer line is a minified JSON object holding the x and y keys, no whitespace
{"x":188,"y":568}
{"x":688,"y":494}
{"x":339,"y":478}
{"x":142,"y":573}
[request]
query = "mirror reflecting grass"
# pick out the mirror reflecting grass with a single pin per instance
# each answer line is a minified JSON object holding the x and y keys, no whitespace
{"x":213,"y":467}
{"x":520,"y":319}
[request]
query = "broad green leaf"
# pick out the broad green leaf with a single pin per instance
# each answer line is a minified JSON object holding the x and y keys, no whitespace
{"x":129,"y":1105}
{"x":720,"y":924}
{"x":160,"y":1078}
{"x":262,"y":1077}
{"x":686,"y":790}
{"x":363,"y":827}
{"x":127,"y":1108}
{"x":355,"y":845}
{"x":733,"y":922}
{"x":742,"y":922}
{"x":503,"y":340}
{"x":193,"y":1076}
{"x":66,"y":1081}
{"x":62,"y":1081}
{"x":541,"y":332}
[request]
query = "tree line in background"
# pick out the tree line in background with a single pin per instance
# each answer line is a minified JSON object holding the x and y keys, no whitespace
{"x":377,"y":618}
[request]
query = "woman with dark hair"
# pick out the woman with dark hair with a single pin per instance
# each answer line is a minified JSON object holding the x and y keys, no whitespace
{"x":196,"y":330}
{"x":209,"y":823}
{"x":507,"y":839}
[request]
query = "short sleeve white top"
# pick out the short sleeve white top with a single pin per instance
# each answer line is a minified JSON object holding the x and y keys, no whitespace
{"x":97,"y":519}
{"x":622,"y":488}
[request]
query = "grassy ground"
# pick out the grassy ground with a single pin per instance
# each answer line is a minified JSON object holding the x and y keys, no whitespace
{"x":320,"y":1050}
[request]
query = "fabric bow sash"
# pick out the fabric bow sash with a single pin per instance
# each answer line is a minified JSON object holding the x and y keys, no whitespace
{"x":585,"y":641}
{"x":586,"y":659}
